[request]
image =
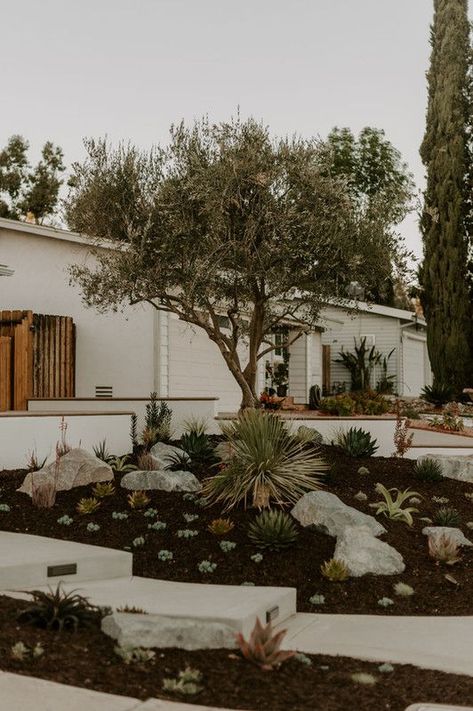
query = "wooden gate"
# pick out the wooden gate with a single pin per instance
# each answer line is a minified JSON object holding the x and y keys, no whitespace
{"x":37,"y":358}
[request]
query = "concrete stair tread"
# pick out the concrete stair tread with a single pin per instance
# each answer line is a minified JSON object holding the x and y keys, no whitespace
{"x":27,"y":561}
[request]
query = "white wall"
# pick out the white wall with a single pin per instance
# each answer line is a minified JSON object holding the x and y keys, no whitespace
{"x":305,"y":366}
{"x":381,"y":429}
{"x":21,"y":434}
{"x":111,"y":349}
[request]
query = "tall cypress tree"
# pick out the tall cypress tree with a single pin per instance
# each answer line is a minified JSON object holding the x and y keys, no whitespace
{"x":445,"y":221}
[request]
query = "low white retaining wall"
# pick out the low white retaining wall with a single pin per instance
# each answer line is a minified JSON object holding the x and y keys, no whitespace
{"x":416,"y":452}
{"x":182,"y":408}
{"x":381,"y":429}
{"x":25,"y":432}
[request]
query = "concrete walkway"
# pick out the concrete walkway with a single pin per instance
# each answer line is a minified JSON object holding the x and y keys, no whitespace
{"x":442,"y":643}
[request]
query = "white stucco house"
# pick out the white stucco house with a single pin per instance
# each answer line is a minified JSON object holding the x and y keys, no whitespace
{"x":388,"y":329}
{"x":129,"y":354}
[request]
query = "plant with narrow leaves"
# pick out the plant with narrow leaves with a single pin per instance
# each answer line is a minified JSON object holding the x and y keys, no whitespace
{"x":122,"y":465}
{"x":198,"y":447}
{"x":447,"y":516}
{"x":444,"y":549}
{"x":438,"y":394}
{"x":158,"y":418}
{"x":187,"y":682}
{"x":356,"y":442}
{"x":33,"y":463}
{"x":220,"y":526}
{"x":335,"y":570}
{"x":274,"y":530}
{"x":103,"y":489}
{"x":134,"y":430}
{"x":60,"y":610}
{"x":146,"y":462}
{"x":138,"y":499}
{"x":393,"y":507}
{"x":263,"y":648}
{"x":101,"y":451}
{"x":428,"y":470}
{"x":268,"y":465}
{"x":308,"y":435}
{"x":87,"y":506}
{"x":43,"y":491}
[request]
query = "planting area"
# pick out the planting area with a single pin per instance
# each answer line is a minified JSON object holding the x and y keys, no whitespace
{"x":88,"y":658}
{"x":172,"y":537}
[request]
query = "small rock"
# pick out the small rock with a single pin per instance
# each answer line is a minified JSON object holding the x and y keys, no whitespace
{"x":455,"y":533}
{"x":165,"y":455}
{"x":330,"y":515}
{"x":161,"y":480}
{"x":75,"y":468}
{"x":362,"y":553}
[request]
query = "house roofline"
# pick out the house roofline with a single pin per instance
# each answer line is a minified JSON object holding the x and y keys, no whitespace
{"x":54,"y":233}
{"x":379,"y":310}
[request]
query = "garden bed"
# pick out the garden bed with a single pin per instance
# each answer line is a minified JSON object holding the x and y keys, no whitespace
{"x":298,"y":566}
{"x":86,"y":658}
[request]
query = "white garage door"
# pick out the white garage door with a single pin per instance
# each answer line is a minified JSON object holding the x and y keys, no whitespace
{"x":414,"y":366}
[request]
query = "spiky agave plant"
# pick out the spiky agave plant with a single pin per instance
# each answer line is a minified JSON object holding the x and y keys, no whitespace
{"x":273,"y":530}
{"x":60,"y":610}
{"x":393,"y":507}
{"x":268,"y":465}
{"x":357,"y":442}
{"x":263,"y":647}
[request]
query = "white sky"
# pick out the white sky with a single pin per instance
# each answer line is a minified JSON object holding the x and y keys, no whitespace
{"x":129,"y":68}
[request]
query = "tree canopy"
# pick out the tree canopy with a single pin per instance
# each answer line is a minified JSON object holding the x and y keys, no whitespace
{"x":223,"y":221}
{"x":25,"y":189}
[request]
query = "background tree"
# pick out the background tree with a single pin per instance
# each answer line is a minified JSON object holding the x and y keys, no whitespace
{"x":24,"y":189}
{"x":382,"y":190}
{"x":446,"y":217}
{"x":226,"y":222}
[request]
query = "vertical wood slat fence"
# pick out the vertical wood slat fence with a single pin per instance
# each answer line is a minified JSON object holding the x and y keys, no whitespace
{"x":326,"y":370}
{"x":37,"y":358}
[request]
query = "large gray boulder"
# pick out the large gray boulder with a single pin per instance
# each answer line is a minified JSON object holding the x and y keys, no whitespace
{"x":139,"y":630}
{"x":456,"y":534}
{"x":76,"y":468}
{"x":165,"y":455}
{"x":161,"y":480}
{"x":453,"y":466}
{"x":328,"y":514}
{"x":362,"y":553}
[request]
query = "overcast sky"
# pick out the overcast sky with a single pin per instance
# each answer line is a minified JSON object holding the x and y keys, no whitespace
{"x":129,"y":68}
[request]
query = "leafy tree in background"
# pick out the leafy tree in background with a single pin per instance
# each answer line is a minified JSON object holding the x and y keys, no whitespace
{"x":382,"y":191}
{"x":223,"y":222}
{"x":24,"y":189}
{"x":446,"y":217}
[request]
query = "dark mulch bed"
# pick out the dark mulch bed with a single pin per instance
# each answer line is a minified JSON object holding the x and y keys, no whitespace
{"x":87,"y":659}
{"x":299,"y":566}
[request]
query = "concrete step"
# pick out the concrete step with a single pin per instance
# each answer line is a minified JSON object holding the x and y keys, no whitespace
{"x":34,"y":561}
{"x":232,"y":605}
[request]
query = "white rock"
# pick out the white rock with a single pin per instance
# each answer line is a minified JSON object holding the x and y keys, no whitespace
{"x":455,"y":533}
{"x":164,"y":455}
{"x":138,"y":630}
{"x":76,"y":468}
{"x":362,"y":553}
{"x":458,"y":467}
{"x":161,"y":480}
{"x":329,"y":515}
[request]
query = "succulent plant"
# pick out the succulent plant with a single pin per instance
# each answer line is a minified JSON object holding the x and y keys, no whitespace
{"x":60,"y":610}
{"x":93,"y":527}
{"x":273,"y":529}
{"x":157,"y":526}
{"x":187,"y":682}
{"x":227,"y":546}
{"x":103,"y":489}
{"x":447,"y":516}
{"x":444,"y":549}
{"x":356,"y":442}
{"x":122,"y":465}
{"x":393,"y":507}
{"x":385,"y":602}
{"x":165,"y":555}
{"x":220,"y":526}
{"x":428,"y":470}
{"x":206,"y":566}
{"x":119,"y":515}
{"x":138,"y":500}
{"x":186,"y":533}
{"x":134,"y":655}
{"x":403,"y":589}
{"x":335,"y":570}
{"x":263,"y":647}
{"x":87,"y":506}
{"x":65,"y":520}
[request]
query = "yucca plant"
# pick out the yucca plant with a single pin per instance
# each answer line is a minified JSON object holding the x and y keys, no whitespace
{"x":437,"y":394}
{"x":263,"y":647}
{"x":356,"y":442}
{"x":268,"y":465}
{"x":428,"y":470}
{"x":392,"y":507}
{"x":444,"y":549}
{"x":220,"y":526}
{"x":274,"y":530}
{"x":335,"y":570}
{"x":101,"y":451}
{"x":138,"y":500}
{"x":447,"y":516}
{"x":103,"y":489}
{"x":60,"y":610}
{"x":87,"y":506}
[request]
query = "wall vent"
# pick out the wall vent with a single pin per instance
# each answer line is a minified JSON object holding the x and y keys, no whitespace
{"x":103,"y":391}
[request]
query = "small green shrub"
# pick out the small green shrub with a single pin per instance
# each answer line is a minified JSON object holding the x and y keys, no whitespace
{"x":198,"y":446}
{"x":356,"y":442}
{"x":87,"y":506}
{"x":59,"y":610}
{"x":437,"y":394}
{"x":274,"y":530}
{"x":341,"y":405}
{"x":428,"y":470}
{"x":335,"y":570}
{"x":103,"y":489}
{"x":447,"y":516}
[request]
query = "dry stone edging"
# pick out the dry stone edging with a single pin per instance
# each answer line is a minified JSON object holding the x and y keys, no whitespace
{"x":75,"y":468}
{"x":161,"y":480}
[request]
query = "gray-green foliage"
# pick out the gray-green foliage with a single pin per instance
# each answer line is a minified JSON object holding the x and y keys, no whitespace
{"x":274,"y":530}
{"x":253,"y":218}
{"x":356,"y":442}
{"x":428,"y":470}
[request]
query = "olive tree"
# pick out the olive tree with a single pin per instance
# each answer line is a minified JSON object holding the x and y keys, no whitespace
{"x":223,"y":221}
